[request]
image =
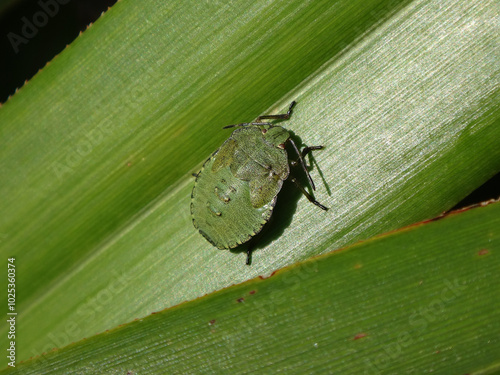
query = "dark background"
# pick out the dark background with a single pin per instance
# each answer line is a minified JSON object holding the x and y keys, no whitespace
{"x":51,"y":39}
{"x":62,"y":28}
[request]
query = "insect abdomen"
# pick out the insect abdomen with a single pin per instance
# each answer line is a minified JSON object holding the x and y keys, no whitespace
{"x":221,"y":208}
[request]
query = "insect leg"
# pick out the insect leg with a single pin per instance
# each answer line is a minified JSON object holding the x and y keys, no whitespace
{"x":246,"y":124}
{"x":308,"y":149}
{"x":249,"y":253}
{"x":301,"y":160}
{"x":305,"y":151}
{"x":258,"y":121}
{"x":308,"y":196}
{"x":283,"y":116}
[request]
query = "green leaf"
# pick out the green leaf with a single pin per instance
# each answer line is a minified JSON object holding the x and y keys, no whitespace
{"x":97,"y":150}
{"x":394,"y":304}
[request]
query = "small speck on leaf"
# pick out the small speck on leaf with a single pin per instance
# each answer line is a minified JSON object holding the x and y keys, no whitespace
{"x":483,"y":252}
{"x":359,"y":336}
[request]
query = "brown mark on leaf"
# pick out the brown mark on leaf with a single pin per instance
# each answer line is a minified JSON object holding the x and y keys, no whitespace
{"x":360,"y":336}
{"x":483,"y":252}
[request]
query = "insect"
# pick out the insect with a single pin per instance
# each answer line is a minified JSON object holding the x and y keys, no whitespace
{"x":237,"y":188}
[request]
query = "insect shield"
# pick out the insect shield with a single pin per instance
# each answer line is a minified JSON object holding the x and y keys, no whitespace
{"x":236,"y":190}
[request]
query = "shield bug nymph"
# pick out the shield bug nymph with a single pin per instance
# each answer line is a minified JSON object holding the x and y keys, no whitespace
{"x":236,"y":190}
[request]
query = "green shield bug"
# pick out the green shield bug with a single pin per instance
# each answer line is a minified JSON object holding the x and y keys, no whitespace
{"x":236,"y":190}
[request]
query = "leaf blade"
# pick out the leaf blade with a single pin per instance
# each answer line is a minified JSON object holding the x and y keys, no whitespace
{"x":390,"y":304}
{"x":118,"y":205}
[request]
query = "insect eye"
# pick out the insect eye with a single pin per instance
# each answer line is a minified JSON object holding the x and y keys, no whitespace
{"x":281,"y":145}
{"x":264,"y":131}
